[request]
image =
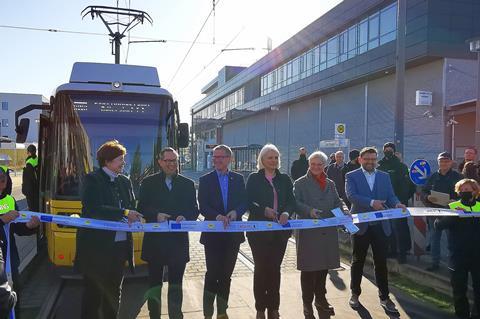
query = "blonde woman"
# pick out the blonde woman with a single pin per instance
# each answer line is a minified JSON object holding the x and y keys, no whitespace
{"x":270,"y":197}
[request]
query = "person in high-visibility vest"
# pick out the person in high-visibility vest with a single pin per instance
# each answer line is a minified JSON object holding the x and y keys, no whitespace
{"x":8,"y":213}
{"x":30,"y":178}
{"x":463,"y":239}
{"x":8,"y":188}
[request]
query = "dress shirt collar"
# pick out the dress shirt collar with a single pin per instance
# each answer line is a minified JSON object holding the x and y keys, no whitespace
{"x":110,"y":173}
{"x":367,"y":172}
{"x":222,"y":174}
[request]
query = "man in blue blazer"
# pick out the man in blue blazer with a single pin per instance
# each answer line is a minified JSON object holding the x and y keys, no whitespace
{"x":222,"y":197}
{"x":370,"y":190}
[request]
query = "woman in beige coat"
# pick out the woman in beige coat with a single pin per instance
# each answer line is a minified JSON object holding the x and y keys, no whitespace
{"x":317,"y":249}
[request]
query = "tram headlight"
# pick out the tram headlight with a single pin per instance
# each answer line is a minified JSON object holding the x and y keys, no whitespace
{"x":117,"y":86}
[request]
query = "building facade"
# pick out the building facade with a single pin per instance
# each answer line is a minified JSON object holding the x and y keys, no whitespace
{"x":12,"y":102}
{"x":341,"y":69}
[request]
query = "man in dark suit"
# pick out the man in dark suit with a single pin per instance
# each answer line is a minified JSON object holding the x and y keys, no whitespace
{"x":167,"y":196}
{"x":222,"y":197}
{"x":370,"y":190}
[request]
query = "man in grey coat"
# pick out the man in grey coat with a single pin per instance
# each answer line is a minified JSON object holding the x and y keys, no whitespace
{"x":317,"y":249}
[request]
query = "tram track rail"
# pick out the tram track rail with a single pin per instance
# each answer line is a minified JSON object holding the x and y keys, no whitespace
{"x":49,"y":307}
{"x":246,"y":260}
{"x":52,"y":305}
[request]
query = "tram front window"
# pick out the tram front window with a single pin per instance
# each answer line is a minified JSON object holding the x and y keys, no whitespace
{"x":138,"y":123}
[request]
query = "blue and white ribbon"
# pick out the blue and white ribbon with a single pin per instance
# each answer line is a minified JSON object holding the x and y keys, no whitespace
{"x":434,"y":212}
{"x":350,"y":226}
{"x":255,"y":226}
{"x":246,"y":226}
{"x":380,"y":215}
{"x":184,"y":226}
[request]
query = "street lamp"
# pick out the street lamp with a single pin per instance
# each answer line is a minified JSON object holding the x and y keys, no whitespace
{"x":475,"y":48}
{"x":400,"y":76}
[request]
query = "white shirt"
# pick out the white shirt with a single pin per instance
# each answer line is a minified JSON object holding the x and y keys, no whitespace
{"x":370,"y":177}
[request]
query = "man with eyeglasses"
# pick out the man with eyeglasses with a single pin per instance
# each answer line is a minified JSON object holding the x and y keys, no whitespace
{"x":222,"y":197}
{"x":167,"y":196}
{"x":369,"y":189}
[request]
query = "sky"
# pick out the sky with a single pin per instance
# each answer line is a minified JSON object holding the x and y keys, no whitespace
{"x":37,"y":62}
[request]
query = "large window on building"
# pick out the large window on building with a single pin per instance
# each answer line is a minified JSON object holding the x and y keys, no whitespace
{"x":332,"y":52}
{"x":363,"y":36}
{"x":316,"y":59}
{"x":220,"y":107}
{"x":289,"y":72}
{"x":296,"y":70}
{"x":5,"y":122}
{"x":4,"y":106}
{"x":375,"y":30}
{"x":323,"y":56}
{"x":343,"y":46}
{"x":388,"y":24}
{"x":352,"y":42}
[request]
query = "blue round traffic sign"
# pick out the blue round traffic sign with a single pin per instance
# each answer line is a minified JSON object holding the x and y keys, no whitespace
{"x":419,"y":171}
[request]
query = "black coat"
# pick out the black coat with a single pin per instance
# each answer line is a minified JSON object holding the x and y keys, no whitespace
{"x":211,"y":203}
{"x":30,"y":185}
{"x":260,"y":196}
{"x":154,"y":198}
{"x":335,"y":173}
{"x":8,"y":298}
{"x":399,"y":175}
{"x":348,"y":167}
{"x":105,"y":200}
{"x":463,"y":239}
{"x":299,"y":167}
{"x":440,"y":183}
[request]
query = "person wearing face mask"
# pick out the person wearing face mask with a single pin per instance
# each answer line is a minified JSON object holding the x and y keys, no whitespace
{"x":400,"y":242}
{"x":463,"y":246}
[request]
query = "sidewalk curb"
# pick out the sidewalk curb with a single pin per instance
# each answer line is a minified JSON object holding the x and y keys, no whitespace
{"x":436,"y":281}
